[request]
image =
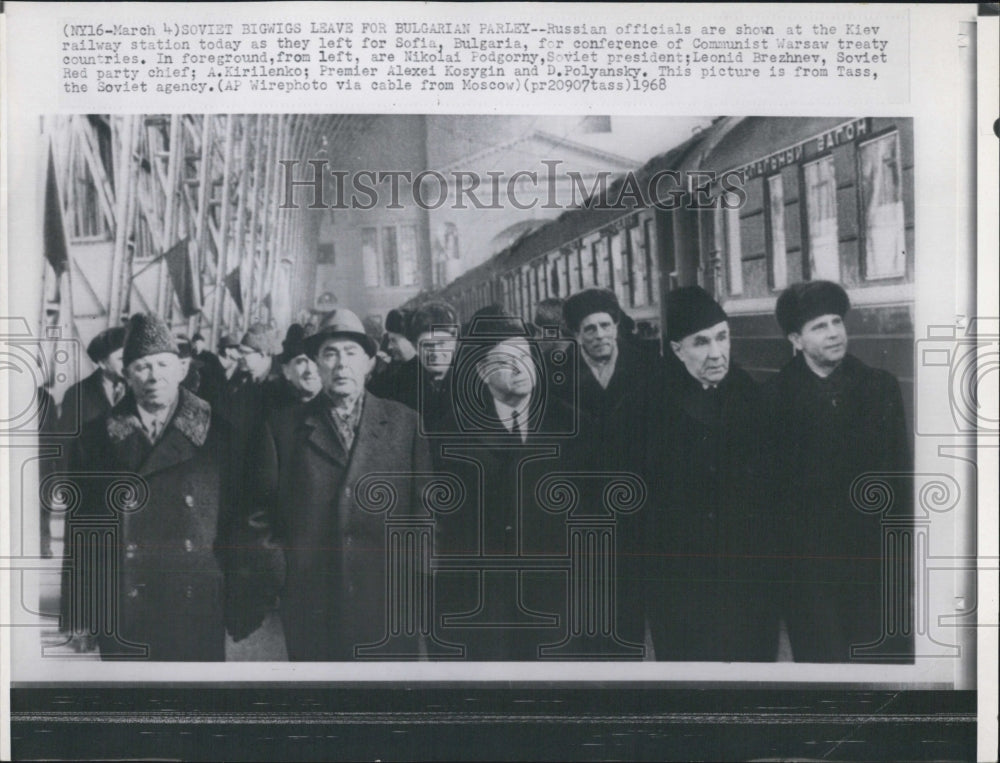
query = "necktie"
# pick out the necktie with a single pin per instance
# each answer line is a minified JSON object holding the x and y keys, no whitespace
{"x":118,"y":393}
{"x":154,"y":430}
{"x":515,"y":425}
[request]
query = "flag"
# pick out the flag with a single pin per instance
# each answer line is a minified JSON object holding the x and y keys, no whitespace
{"x":183,"y":278}
{"x":56,"y":250}
{"x":235,"y":288}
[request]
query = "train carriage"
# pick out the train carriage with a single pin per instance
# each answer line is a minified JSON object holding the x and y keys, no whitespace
{"x":820,"y":198}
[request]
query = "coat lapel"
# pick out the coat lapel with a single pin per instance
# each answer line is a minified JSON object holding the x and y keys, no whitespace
{"x":368,"y":441}
{"x":186,"y":431}
{"x":320,"y":434}
{"x":171,"y":448}
{"x":96,"y":400}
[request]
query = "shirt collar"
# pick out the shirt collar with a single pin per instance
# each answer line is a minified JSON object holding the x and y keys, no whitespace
{"x":160,"y":417}
{"x":506,"y":412}
{"x":603,"y":371}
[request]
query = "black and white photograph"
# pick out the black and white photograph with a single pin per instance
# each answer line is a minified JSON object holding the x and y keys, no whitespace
{"x":547,"y":402}
{"x":313,"y":407}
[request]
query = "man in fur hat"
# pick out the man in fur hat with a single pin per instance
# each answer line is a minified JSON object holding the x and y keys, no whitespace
{"x":616,"y":389}
{"x":153,"y":493}
{"x":833,"y":419}
{"x":94,"y":396}
{"x":300,"y":381}
{"x":396,"y":381}
{"x":707,"y":599}
{"x":306,"y":469}
{"x":424,"y":382}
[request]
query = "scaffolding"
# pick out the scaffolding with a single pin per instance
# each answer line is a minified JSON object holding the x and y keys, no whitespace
{"x":181,"y":215}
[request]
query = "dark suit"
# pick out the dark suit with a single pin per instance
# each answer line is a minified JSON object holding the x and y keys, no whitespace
{"x":826,"y":433}
{"x":334,"y":596}
{"x":167,"y":593}
{"x":501,"y":517}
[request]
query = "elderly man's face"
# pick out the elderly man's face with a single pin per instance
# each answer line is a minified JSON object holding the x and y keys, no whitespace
{"x":343,"y":367}
{"x":303,"y":374}
{"x":598,"y":336}
{"x":437,"y":349}
{"x":155,"y":379}
{"x":257,"y":363}
{"x":112,"y":365}
{"x":705,"y":353}
{"x":400,"y":348}
{"x":823,"y":340}
{"x":509,"y":370}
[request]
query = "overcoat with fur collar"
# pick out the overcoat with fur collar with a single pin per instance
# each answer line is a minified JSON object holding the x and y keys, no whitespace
{"x":142,"y":547}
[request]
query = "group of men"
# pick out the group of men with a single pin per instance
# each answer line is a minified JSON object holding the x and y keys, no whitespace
{"x":254,"y":487}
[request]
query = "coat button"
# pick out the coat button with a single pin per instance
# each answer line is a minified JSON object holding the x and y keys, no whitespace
{"x":188,"y":545}
{"x":347,"y":492}
{"x":133,"y":593}
{"x":130,"y":550}
{"x":189,"y":501}
{"x":188,"y":592}
{"x":509,"y":529}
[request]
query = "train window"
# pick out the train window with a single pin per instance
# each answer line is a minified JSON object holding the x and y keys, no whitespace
{"x":369,"y":255}
{"x":576,"y":270}
{"x":882,"y":207}
{"x":591,"y":262}
{"x":638,"y":260}
{"x":407,"y":255}
{"x":619,"y":272}
{"x":652,"y":260}
{"x":525,"y":291}
{"x":821,"y":208}
{"x":562,"y":270}
{"x":390,"y":257}
{"x":777,"y":252}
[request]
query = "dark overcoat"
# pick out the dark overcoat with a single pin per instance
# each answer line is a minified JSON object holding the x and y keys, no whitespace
{"x":827,"y":433}
{"x":334,"y":595}
{"x":708,"y":598}
{"x":410,"y":385}
{"x":155,"y":511}
{"x":83,"y":402}
{"x":503,"y":614}
{"x":616,"y":431}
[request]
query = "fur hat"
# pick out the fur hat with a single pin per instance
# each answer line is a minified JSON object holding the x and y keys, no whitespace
{"x":428,"y":316}
{"x":294,"y":343}
{"x":802,"y":302}
{"x":106,"y":343}
{"x":588,"y":302}
{"x":260,"y":338}
{"x":689,"y":310}
{"x":340,"y":323}
{"x":395,"y":321}
{"x":147,"y":334}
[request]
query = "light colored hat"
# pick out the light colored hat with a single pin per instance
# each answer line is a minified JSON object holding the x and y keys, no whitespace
{"x":341,"y":322}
